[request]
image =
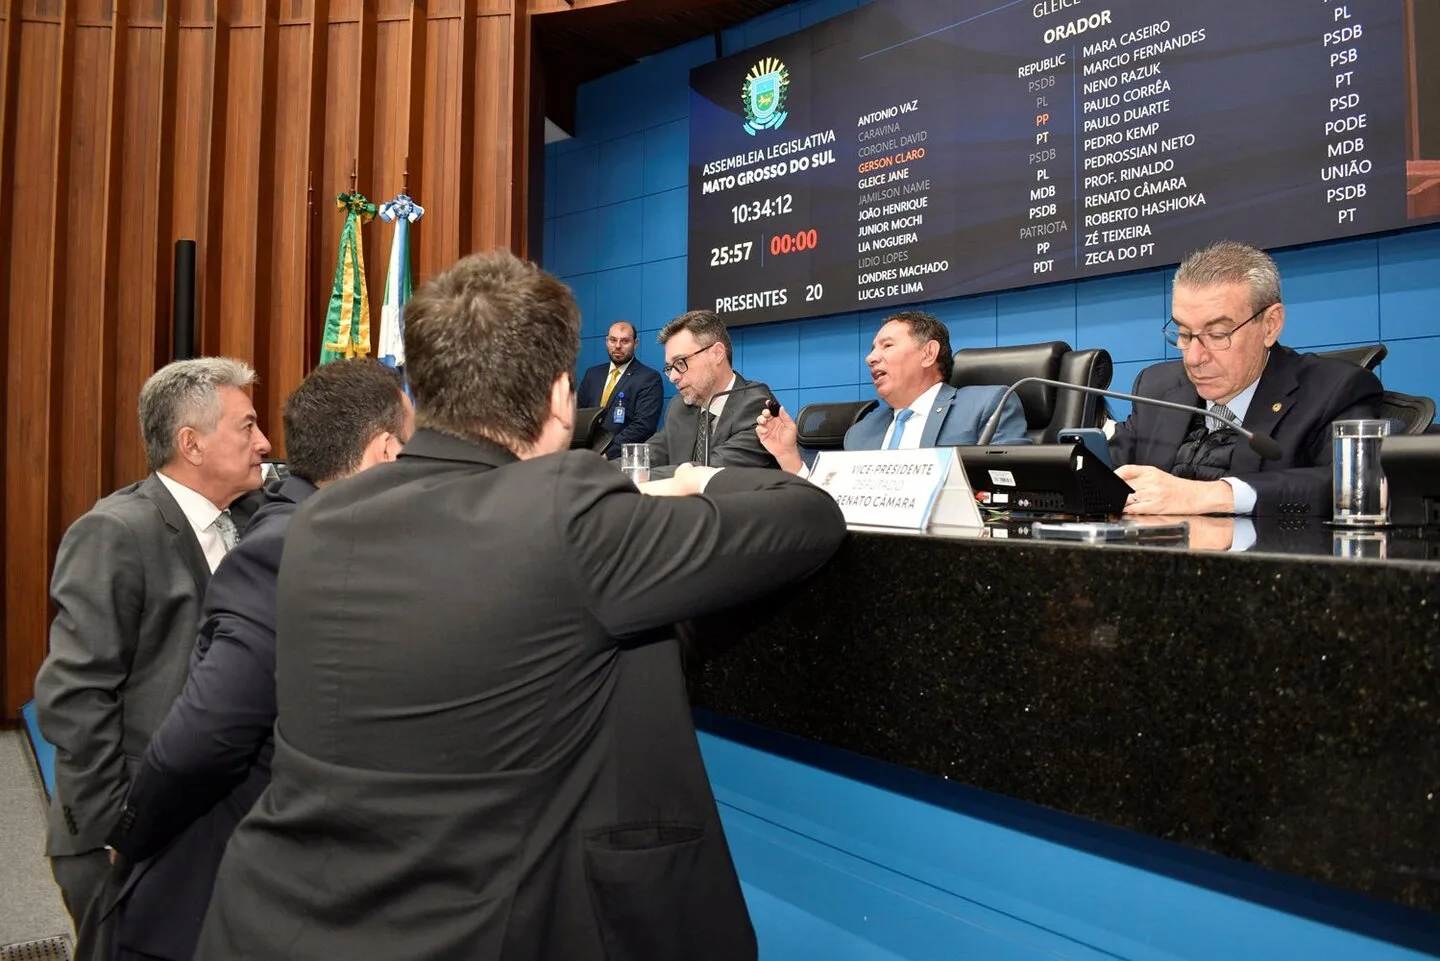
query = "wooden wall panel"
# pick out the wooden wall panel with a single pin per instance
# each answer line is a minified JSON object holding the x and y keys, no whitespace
{"x":83,"y":436}
{"x":126,"y":125}
{"x":239,"y":178}
{"x":143,"y":303}
{"x":32,"y":418}
{"x":12,"y":675}
{"x":286,"y":217}
{"x":442,"y":144}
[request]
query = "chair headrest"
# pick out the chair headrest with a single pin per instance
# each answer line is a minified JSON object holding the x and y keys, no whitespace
{"x":588,"y":432}
{"x":1368,"y":356}
{"x":1003,"y":366}
{"x":1412,"y":412}
{"x":823,"y":426}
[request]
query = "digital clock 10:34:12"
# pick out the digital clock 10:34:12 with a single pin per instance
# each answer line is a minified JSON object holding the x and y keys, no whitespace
{"x":761,"y":209}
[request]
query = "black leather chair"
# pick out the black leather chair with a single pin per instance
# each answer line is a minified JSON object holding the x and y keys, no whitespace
{"x":1368,"y":356}
{"x":1048,"y":410}
{"x":589,"y":432}
{"x":1411,"y":412}
{"x":823,"y":426}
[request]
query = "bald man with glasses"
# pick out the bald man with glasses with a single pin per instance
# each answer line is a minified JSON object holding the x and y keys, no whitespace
{"x":1226,"y":319}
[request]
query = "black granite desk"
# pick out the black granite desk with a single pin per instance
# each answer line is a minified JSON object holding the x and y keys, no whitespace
{"x":1276,"y":706}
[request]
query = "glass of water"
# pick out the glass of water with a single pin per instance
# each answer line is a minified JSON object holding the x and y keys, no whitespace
{"x":1361,"y":498}
{"x":635,"y":462}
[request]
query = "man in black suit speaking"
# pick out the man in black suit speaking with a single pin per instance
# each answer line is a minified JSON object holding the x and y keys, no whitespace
{"x":484,"y":746}
{"x":210,"y":758}
{"x":1226,"y":321}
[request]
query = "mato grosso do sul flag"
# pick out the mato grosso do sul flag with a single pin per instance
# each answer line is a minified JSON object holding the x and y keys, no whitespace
{"x":402,"y":211}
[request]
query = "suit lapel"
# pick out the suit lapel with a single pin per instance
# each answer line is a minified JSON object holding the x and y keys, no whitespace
{"x":1270,"y":404}
{"x":732,"y":404}
{"x":186,"y":545}
{"x":935,"y":417}
{"x":682,"y":430}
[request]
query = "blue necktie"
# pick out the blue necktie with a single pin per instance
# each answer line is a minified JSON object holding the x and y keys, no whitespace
{"x":901,"y":416}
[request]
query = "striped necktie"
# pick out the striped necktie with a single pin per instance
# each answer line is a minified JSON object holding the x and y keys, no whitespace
{"x":1223,"y":411}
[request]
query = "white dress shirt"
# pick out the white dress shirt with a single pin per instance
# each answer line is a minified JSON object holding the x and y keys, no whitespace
{"x":201,"y":514}
{"x":1244,"y":493}
{"x":914,"y":428}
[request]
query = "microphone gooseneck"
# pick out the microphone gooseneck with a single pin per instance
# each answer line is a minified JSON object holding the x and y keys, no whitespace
{"x":1262,"y":444}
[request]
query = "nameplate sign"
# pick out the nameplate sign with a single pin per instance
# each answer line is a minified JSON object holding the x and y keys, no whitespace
{"x":884,"y":488}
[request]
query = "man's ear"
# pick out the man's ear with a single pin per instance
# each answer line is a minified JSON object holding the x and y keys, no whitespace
{"x":1274,"y":324}
{"x":562,"y":400}
{"x":188,"y":445}
{"x":930,"y":353}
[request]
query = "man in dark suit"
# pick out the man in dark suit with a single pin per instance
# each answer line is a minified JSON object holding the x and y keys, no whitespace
{"x":484,"y":747}
{"x":910,"y":362}
{"x":625,"y":376}
{"x":210,"y":759}
{"x":128,"y":581}
{"x":1226,"y":319}
{"x":698,"y":358}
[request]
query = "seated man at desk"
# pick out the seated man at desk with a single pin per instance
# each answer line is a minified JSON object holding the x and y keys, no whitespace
{"x":910,"y":363}
{"x":1226,"y":319}
{"x":698,"y":355}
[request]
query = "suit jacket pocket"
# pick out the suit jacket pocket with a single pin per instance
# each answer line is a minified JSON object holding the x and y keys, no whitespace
{"x":652,"y":887}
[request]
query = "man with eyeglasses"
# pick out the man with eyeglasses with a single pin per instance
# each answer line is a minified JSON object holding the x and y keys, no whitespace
{"x":1226,"y":319}
{"x":698,"y":356}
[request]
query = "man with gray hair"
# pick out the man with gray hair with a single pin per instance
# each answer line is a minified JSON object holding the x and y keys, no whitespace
{"x":1226,"y":319}
{"x":129,"y":577}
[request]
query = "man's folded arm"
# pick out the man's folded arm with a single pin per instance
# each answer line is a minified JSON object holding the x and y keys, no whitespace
{"x":646,"y":562}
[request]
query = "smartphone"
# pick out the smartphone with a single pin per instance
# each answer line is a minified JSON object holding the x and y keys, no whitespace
{"x":1091,"y":437}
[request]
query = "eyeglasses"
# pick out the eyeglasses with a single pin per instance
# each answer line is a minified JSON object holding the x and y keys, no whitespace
{"x":681,"y":364}
{"x":1209,"y":339}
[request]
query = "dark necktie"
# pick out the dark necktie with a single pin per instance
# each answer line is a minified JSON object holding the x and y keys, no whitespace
{"x":704,"y":424}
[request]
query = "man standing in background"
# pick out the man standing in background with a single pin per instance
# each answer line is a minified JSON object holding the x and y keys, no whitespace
{"x":604,"y":384}
{"x":128,"y":581}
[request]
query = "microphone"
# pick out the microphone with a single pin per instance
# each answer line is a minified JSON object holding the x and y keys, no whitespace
{"x":706,"y":439}
{"x":1262,"y":444}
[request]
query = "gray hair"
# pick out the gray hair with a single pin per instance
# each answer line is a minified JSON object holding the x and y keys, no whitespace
{"x":186,"y":393}
{"x":1228,"y":262}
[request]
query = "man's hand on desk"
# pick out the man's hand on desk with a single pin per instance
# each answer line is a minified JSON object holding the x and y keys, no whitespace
{"x":781,"y":438}
{"x":1157,"y":492}
{"x":688,"y":479}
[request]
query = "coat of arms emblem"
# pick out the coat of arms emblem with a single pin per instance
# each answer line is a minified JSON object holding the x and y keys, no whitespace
{"x":763,"y":94}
